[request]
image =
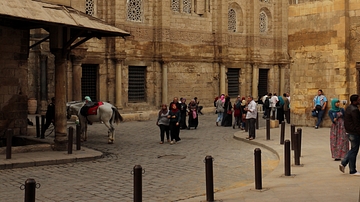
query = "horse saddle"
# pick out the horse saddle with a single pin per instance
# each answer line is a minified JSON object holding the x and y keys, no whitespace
{"x":93,"y":109}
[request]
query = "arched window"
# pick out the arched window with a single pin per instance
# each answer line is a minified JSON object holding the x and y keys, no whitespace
{"x":232,"y":20}
{"x":263,"y":22}
{"x":175,"y":5}
{"x":134,"y":10}
{"x":187,"y":6}
{"x":89,"y":7}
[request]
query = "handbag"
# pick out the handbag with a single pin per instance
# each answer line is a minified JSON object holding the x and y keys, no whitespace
{"x":229,"y":112}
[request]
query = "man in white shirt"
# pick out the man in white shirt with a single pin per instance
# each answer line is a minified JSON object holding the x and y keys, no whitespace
{"x":274,"y":99}
{"x":251,"y":116}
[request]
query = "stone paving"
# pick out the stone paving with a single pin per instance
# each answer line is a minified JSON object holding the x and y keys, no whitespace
{"x":171,"y":172}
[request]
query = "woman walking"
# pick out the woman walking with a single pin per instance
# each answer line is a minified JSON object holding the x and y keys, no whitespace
{"x":175,"y":118}
{"x":339,"y":142}
{"x":193,"y":115}
{"x":163,"y":123}
{"x":227,"y":117}
{"x":237,"y":112}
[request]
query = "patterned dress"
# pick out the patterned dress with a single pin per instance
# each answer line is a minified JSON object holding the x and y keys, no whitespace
{"x":339,"y":142}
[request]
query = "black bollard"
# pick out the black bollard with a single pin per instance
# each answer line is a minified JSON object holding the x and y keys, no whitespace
{"x":137,"y":183}
{"x":282,"y":132}
{"x":70,"y":139}
{"x":287,"y":158}
{"x":78,"y":137}
{"x":267,"y":129}
{"x":42,"y":127}
{"x":209,"y":178}
{"x":299,"y":130}
{"x":9,"y":134}
{"x":246,"y":125}
{"x":296,"y":150}
{"x":37,"y":119}
{"x":257,"y":121}
{"x":30,"y":186}
{"x":258,"y":177}
{"x":292,"y":139}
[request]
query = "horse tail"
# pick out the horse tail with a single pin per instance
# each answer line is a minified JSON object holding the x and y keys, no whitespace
{"x":116,"y":116}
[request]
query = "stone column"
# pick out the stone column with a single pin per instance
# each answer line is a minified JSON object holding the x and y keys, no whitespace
{"x":60,"y":142}
{"x":282,"y":79}
{"x":118,"y":83}
{"x":164,"y":85}
{"x":222,"y":79}
{"x":77,"y":55}
{"x":255,"y":81}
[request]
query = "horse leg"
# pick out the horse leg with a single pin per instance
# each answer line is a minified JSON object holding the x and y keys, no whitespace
{"x":111,"y":135}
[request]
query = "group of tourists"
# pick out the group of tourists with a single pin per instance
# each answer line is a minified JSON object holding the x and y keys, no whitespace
{"x":171,"y":120}
{"x":276,"y":107}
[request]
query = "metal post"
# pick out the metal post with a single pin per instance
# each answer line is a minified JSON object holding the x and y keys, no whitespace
{"x":292,"y":130}
{"x":30,"y":186}
{"x":78,"y":137}
{"x":282,"y":133}
{"x":257,"y":121}
{"x":287,"y":158}
{"x":137,"y":183}
{"x":296,"y":150}
{"x":37,"y":119}
{"x":258,"y":177}
{"x":70,"y":139}
{"x":42,"y":127}
{"x":209,"y":178}
{"x":299,"y":130}
{"x":9,"y":134}
{"x":267,"y":129}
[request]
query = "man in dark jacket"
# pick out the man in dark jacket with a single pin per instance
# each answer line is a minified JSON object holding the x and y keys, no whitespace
{"x":50,"y":114}
{"x":352,"y":127}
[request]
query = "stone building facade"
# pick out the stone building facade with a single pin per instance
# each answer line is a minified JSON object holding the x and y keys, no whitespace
{"x":324,"y":49}
{"x":179,"y":48}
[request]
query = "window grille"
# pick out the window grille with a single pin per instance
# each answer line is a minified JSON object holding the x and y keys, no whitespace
{"x":175,"y":5}
{"x":263,"y":82}
{"x":134,"y":10}
{"x":89,"y":81}
{"x":137,"y":78}
{"x":187,"y":6}
{"x":263,"y":22}
{"x":233,"y":82}
{"x":89,"y":7}
{"x":232,"y":20}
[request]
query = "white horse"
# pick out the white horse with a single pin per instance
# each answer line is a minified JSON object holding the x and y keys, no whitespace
{"x":106,"y":113}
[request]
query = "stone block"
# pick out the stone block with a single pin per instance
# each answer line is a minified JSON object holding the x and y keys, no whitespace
{"x":274,"y":123}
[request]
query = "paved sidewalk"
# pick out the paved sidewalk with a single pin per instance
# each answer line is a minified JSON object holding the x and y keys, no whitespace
{"x":316,"y":179}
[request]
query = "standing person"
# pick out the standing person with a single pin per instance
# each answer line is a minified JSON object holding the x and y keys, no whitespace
{"x":193,"y":115}
{"x":251,"y":116}
{"x":237,"y":112}
{"x":286,"y":108}
{"x":352,"y":127}
{"x":319,"y":102}
{"x":280,"y":109}
{"x":227,"y":116}
{"x":175,"y":119}
{"x":220,"y":109}
{"x":183,"y":111}
{"x":50,"y":114}
{"x":339,"y":143}
{"x":163,"y":123}
{"x":199,"y":108}
{"x":243,"y":113}
{"x":288,"y":112}
{"x":273,"y":101}
{"x":267,"y":106}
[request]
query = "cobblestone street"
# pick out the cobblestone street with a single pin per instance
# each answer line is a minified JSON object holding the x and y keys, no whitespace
{"x":171,"y":172}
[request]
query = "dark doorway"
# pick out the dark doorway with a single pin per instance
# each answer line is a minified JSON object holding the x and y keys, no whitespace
{"x":263,"y":82}
{"x":233,"y":82}
{"x":89,"y":81}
